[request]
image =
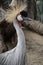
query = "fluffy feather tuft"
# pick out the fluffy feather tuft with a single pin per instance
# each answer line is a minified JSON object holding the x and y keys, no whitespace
{"x":12,"y":13}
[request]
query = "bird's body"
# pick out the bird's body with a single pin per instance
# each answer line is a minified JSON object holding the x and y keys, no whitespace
{"x":16,"y":56}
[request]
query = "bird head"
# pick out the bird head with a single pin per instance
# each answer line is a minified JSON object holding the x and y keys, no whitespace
{"x":21,"y":15}
{"x":12,"y":13}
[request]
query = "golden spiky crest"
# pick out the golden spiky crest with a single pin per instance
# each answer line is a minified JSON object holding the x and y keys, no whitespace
{"x":12,"y":13}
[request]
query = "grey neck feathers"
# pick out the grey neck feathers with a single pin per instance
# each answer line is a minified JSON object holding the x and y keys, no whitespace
{"x":15,"y":56}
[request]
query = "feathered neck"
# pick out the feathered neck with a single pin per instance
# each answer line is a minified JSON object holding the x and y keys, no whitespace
{"x":20,"y":35}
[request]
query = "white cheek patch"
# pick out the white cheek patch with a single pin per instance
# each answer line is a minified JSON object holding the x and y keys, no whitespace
{"x":19,"y":18}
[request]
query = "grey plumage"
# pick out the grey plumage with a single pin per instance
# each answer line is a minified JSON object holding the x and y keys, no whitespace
{"x":16,"y":56}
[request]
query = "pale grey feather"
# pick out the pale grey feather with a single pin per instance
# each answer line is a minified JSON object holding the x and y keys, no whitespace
{"x":16,"y":56}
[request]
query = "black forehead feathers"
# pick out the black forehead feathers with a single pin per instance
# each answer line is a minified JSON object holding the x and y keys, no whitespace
{"x":24,"y":13}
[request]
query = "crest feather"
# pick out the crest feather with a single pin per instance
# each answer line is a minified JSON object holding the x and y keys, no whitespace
{"x":12,"y":13}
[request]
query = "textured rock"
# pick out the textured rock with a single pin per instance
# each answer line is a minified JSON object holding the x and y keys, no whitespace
{"x":34,"y":45}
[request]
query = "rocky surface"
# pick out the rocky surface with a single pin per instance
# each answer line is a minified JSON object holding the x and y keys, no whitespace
{"x":34,"y":45}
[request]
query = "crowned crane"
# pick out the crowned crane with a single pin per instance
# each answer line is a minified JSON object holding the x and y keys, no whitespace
{"x":15,"y":56}
{"x":8,"y":31}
